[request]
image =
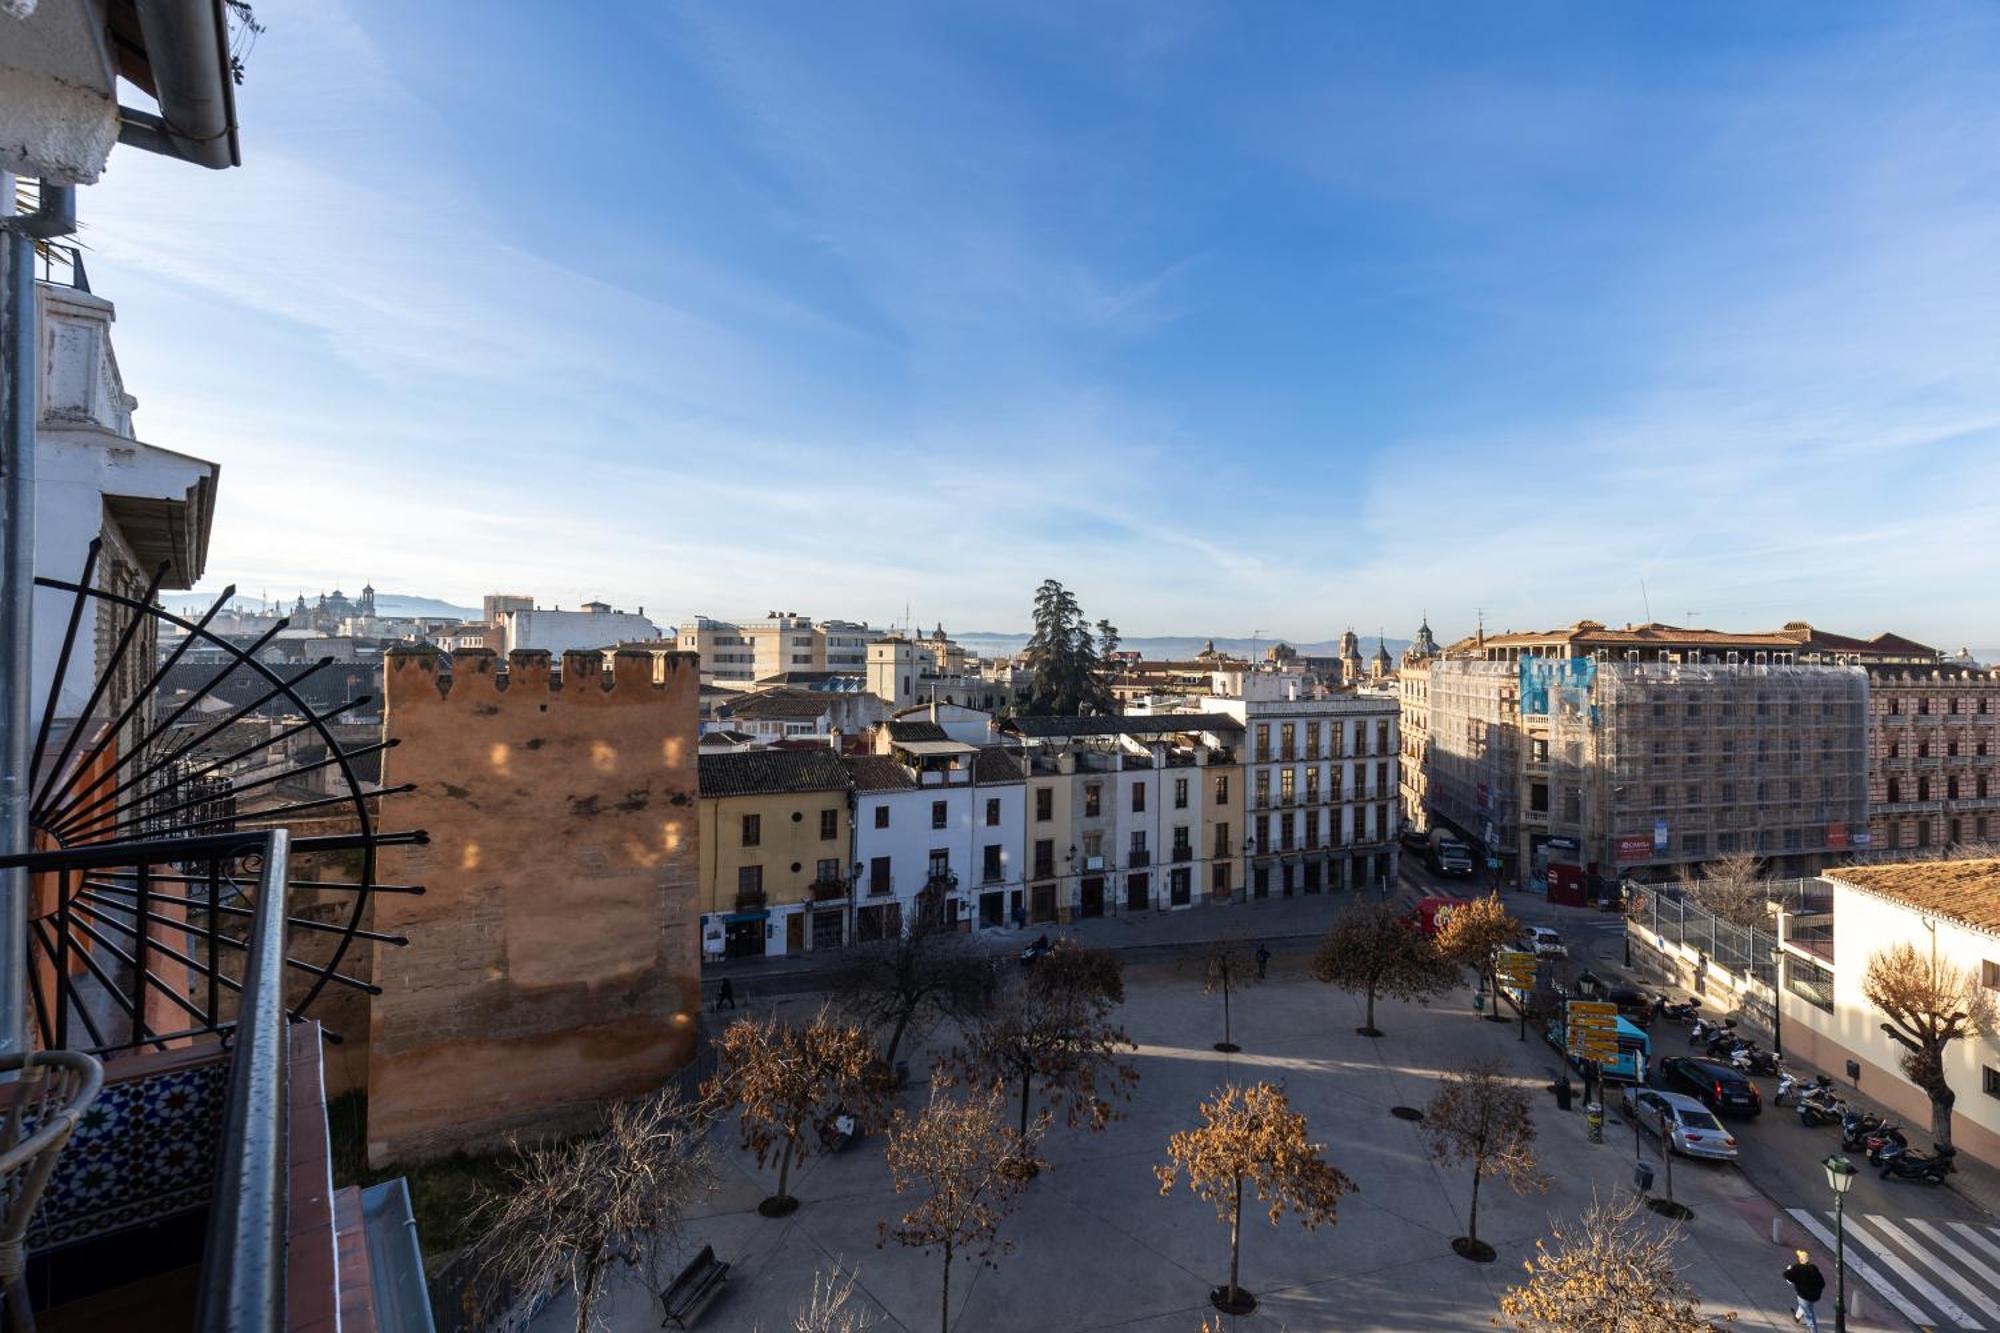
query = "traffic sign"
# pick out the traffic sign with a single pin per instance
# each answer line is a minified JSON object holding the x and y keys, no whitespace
{"x":1591,"y":1030}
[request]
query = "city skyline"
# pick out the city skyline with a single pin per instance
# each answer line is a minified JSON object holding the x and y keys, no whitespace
{"x":1214,"y":317}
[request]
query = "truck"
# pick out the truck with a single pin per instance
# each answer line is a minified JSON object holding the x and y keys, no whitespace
{"x":1430,"y":914}
{"x":1449,"y":856}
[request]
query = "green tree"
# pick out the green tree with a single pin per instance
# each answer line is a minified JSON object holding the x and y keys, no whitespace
{"x":1063,"y":659}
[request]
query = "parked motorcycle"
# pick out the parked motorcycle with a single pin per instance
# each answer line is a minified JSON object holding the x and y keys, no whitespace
{"x":1685,"y":1012}
{"x":1818,"y":1108}
{"x":1788,"y":1084}
{"x":1753,"y":1061}
{"x":1909,"y":1164}
{"x":1706,"y":1030}
{"x":1036,"y":951}
{"x":1887,"y":1141}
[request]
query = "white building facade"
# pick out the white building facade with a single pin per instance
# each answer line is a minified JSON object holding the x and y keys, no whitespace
{"x":559,"y":632}
{"x":937,"y":829}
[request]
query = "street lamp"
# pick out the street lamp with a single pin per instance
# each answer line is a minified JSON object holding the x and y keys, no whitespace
{"x":1840,"y":1178}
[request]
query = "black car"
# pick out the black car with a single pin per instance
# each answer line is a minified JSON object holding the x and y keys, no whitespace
{"x":1722,"y":1088}
{"x":1633,"y":1007}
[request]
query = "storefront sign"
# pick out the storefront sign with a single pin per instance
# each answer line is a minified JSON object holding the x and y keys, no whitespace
{"x":1659,"y":837}
{"x":1836,"y":837}
{"x":1637,"y":847}
{"x":1561,"y":844}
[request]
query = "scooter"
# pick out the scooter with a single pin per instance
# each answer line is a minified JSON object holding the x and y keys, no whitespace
{"x":1817,"y":1108}
{"x":1685,"y":1012}
{"x":1753,"y":1061}
{"x":1908,"y":1164}
{"x":1856,"y":1126}
{"x":1887,"y":1141}
{"x":1788,"y":1083}
{"x":1036,"y":952}
{"x":1706,"y":1030}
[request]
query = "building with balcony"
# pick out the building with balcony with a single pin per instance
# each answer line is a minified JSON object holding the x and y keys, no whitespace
{"x":796,"y":714}
{"x":1320,"y":772}
{"x":776,"y":839}
{"x":937,"y":834}
{"x":906,"y":670}
{"x":1130,"y":814}
{"x":1934,"y":758}
{"x":742,"y":653}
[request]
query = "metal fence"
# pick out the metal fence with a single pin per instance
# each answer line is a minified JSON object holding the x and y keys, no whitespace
{"x":1743,"y":950}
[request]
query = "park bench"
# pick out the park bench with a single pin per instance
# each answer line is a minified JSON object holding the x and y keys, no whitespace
{"x":689,"y":1294}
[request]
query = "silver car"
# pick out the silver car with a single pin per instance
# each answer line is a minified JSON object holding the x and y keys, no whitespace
{"x":1691,"y":1129}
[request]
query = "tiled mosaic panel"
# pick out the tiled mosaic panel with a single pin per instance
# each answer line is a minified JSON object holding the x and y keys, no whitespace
{"x":145,"y":1149}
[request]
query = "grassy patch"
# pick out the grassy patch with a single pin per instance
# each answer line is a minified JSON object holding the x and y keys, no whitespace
{"x":443,"y":1193}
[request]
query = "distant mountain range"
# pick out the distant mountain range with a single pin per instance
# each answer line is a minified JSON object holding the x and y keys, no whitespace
{"x":386,"y":604}
{"x":1175,"y":647}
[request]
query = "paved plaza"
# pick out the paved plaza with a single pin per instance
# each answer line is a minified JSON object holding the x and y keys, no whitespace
{"x":1097,"y":1247}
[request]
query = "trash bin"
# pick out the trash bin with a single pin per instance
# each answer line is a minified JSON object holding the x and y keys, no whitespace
{"x":1642,"y":1177}
{"x":1593,"y":1119}
{"x":1565,"y":1093}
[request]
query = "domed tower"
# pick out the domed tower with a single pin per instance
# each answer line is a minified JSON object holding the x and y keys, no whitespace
{"x":1423,"y":646}
{"x":1380,"y":665}
{"x":1350,"y":658}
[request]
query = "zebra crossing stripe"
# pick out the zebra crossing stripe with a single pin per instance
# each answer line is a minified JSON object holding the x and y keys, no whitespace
{"x":1924,"y":1288}
{"x":1959,"y":1252}
{"x":1861,"y":1268}
{"x":1936,"y":1265}
{"x":1977,"y":1237}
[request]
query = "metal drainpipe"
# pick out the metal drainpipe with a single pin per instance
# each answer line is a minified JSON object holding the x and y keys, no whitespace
{"x":19,"y":349}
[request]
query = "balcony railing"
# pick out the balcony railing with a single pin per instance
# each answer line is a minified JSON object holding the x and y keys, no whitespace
{"x":831,"y":890}
{"x":750,"y":900}
{"x":1138,"y":859}
{"x":1183,"y":854}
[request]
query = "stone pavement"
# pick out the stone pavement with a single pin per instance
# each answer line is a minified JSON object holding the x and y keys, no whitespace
{"x":1097,"y":1247}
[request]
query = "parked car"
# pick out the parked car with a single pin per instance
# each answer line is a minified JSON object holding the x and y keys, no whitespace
{"x":1719,"y":1086}
{"x":1633,"y":1007}
{"x":1691,"y":1129}
{"x":1546,"y":942}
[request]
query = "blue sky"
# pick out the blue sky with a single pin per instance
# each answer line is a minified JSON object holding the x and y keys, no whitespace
{"x":1232,"y":317}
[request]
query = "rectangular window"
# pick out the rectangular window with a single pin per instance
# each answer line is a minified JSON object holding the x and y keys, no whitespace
{"x":1182,"y":848}
{"x":1219,"y":879}
{"x":990,"y":868}
{"x":1138,"y":798}
{"x":1180,"y":793}
{"x":878,"y":874}
{"x":1285,"y":785}
{"x":940,"y":862}
{"x":1989,"y":1080}
{"x":829,"y":825}
{"x":828,"y":870}
{"x":881,"y":816}
{"x":1989,"y":974}
{"x":938,"y":817}
{"x":993,"y":814}
{"x":1093,"y":800}
{"x":1263,"y":788}
{"x":1222,"y":789}
{"x":1222,"y":839}
{"x":1312,"y":740}
{"x":1045,"y":858}
{"x":1287,"y":743}
{"x":1262,"y":748}
{"x":749,"y":886}
{"x":1045,"y":804}
{"x":1093,"y":843}
{"x":753,"y":830}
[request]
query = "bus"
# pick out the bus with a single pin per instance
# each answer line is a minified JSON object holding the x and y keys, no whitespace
{"x":1635,"y":1051}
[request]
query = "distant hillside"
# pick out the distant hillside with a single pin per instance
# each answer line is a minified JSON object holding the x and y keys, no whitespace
{"x":386,"y":604}
{"x":1173,"y":647}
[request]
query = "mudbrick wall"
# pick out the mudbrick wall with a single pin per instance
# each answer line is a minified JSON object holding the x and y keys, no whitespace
{"x":552,"y":961}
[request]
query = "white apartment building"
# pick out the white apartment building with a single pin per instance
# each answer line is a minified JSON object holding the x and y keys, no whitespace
{"x":904,"y":671}
{"x":742,"y":653}
{"x":1321,"y":773}
{"x":558,"y":632}
{"x":937,"y":828}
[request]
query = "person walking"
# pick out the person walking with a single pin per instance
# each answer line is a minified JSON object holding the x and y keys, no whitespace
{"x":1263,"y":961}
{"x":726,"y":995}
{"x":1808,"y":1284}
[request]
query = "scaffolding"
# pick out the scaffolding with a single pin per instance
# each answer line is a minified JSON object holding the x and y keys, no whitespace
{"x":1662,"y":765}
{"x":1475,"y":755}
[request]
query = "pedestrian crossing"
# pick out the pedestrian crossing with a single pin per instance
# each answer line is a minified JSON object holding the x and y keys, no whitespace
{"x":1936,"y":1274}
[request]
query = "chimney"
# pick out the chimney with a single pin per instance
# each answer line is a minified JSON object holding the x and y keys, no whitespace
{"x":834,"y":737}
{"x":934,"y":710}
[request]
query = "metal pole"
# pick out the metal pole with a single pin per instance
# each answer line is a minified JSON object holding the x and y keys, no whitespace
{"x":1840,"y":1262}
{"x":17,"y":558}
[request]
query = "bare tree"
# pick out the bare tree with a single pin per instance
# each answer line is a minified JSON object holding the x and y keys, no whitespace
{"x":787,"y":1081}
{"x":1474,"y":933}
{"x":1061,"y":1044}
{"x":1072,"y":972}
{"x":968,"y":1170}
{"x":1226,"y":963}
{"x":1373,"y":950}
{"x":1606,"y":1272}
{"x":1480,"y":1116}
{"x":1930,"y":1004}
{"x":1251,"y":1136}
{"x":1730,"y":887}
{"x":910,"y":983}
{"x":830,"y":1308}
{"x":574,"y":1212}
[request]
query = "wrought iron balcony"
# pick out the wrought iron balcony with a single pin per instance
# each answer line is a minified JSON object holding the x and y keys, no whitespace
{"x":831,"y":890}
{"x":751,"y":900}
{"x":1181,"y":854}
{"x":1138,"y":859}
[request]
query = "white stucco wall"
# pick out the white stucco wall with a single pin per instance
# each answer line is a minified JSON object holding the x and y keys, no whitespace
{"x":558,"y":632}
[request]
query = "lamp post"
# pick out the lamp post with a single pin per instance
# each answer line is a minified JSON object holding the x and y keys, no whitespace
{"x":1778,"y":998}
{"x":1839,"y":1176}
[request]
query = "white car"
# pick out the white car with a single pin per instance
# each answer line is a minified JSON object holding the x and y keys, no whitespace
{"x":1546,"y":942}
{"x":1691,"y":1128}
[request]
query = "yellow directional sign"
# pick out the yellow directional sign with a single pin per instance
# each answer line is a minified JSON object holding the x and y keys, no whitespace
{"x":1516,"y":965}
{"x":1591,"y":1030}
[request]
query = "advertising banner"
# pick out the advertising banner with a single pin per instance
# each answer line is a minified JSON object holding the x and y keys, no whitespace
{"x":1637,"y":847}
{"x":1659,"y":837}
{"x":1836,"y":837}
